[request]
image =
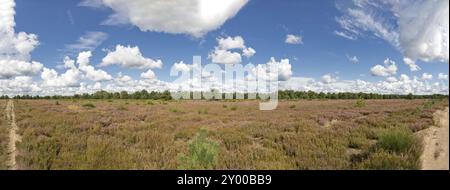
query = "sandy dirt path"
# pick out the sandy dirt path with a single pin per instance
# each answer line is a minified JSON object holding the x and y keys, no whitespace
{"x":435,"y":139}
{"x":13,"y":136}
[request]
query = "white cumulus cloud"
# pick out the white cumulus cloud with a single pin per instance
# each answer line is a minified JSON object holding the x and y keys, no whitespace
{"x":148,"y":75}
{"x":13,"y":68}
{"x":228,"y":43}
{"x":193,"y":17}
{"x":90,"y":72}
{"x":390,"y":85}
{"x":273,"y":70}
{"x":129,"y":57}
{"x":442,"y":76}
{"x":427,"y":76}
{"x":327,"y":79}
{"x":225,"y":57}
{"x":389,"y":68}
{"x":18,"y":85}
{"x":15,"y":48}
{"x":51,"y":78}
{"x":225,"y":52}
{"x":182,"y":67}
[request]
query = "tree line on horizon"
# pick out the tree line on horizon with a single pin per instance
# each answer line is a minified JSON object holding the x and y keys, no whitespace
{"x":283,"y":95}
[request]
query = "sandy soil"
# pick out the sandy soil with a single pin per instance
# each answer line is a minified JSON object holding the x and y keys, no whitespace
{"x":436,"y":141}
{"x":13,"y":136}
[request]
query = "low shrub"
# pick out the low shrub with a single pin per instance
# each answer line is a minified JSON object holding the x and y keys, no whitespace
{"x":396,"y":149}
{"x":88,"y":105}
{"x":202,"y":153}
{"x":203,"y":111}
{"x":122,"y":108}
{"x":174,"y":110}
{"x":360,"y":103}
{"x":397,"y":140}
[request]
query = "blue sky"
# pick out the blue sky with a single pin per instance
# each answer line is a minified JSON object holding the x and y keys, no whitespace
{"x":262,"y":24}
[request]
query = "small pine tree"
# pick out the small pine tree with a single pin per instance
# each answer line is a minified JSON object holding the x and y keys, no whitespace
{"x":202,"y":153}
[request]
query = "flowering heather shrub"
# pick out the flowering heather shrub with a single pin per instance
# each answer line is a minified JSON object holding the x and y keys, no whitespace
{"x":384,"y":160}
{"x":148,"y":136}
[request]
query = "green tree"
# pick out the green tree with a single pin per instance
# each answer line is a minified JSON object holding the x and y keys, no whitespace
{"x":124,"y":95}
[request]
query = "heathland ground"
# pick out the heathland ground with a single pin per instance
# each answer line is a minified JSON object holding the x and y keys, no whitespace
{"x":188,"y":134}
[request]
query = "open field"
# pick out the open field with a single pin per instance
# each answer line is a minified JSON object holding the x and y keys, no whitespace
{"x":146,"y":134}
{"x":3,"y":136}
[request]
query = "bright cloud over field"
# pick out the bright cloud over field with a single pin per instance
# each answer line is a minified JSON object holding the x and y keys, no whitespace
{"x":419,"y":29}
{"x":115,"y":45}
{"x":389,"y":68}
{"x":130,"y":57}
{"x":273,"y":70}
{"x":226,"y":50}
{"x":15,"y":47}
{"x":193,"y":17}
